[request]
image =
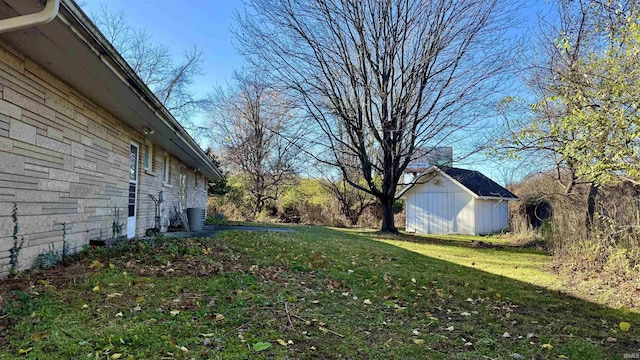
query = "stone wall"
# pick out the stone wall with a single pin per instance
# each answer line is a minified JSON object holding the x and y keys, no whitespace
{"x":64,"y":161}
{"x":151,"y":183}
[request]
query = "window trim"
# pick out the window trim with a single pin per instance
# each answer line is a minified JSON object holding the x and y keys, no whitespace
{"x":182,"y":187}
{"x":166,"y":170}
{"x":148,"y":146}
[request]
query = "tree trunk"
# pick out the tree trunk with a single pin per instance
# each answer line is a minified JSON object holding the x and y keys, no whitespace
{"x":257,"y":209}
{"x":353,"y":218}
{"x":591,"y":208}
{"x":388,"y":222}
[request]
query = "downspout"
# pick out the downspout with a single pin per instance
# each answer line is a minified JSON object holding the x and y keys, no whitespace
{"x":49,"y":13}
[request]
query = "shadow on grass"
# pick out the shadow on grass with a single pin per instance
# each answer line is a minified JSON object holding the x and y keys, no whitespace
{"x":399,"y":304}
{"x":553,"y":314}
{"x":476,"y":242}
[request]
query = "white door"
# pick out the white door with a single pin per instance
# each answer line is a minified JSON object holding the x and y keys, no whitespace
{"x":435,"y":215}
{"x":133,"y":190}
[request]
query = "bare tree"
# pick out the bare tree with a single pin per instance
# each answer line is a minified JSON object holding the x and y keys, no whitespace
{"x":352,"y":201}
{"x":560,"y":79}
{"x":154,"y":64}
{"x":257,"y":130}
{"x":380,"y":78}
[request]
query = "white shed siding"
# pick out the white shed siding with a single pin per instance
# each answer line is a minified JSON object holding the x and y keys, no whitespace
{"x":410,"y":218}
{"x":465,"y":214}
{"x":439,"y":207}
{"x":435,"y":213}
{"x":491,"y":216}
{"x":501,"y":220}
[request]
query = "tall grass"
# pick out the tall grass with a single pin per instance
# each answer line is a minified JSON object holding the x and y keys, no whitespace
{"x":611,"y":248}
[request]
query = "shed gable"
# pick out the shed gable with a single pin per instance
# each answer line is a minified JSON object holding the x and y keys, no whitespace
{"x":439,"y":206}
{"x":435,"y":183}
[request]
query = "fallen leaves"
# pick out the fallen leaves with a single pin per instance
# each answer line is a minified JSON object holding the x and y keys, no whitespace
{"x":546,"y":346}
{"x":261,"y":346}
{"x":625,"y":326}
{"x":449,"y":317}
{"x":24,"y":351}
{"x":532,"y":338}
{"x":37,"y":337}
{"x":611,"y":340}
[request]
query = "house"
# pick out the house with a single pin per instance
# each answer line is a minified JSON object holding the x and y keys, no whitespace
{"x":84,"y":144}
{"x":447,"y":200}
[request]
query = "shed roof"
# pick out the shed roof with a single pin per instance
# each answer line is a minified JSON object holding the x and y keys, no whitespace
{"x":473,"y":181}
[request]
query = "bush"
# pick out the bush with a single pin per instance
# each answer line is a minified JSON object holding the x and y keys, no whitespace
{"x":217,"y":219}
{"x":611,"y":248}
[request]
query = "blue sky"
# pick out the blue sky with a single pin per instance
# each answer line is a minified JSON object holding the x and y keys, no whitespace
{"x":207,"y":23}
{"x":180,"y":25}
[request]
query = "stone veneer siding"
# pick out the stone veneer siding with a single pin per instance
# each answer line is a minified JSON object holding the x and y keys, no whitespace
{"x":65,"y":160}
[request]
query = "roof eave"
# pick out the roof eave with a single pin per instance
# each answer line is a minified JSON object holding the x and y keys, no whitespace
{"x":408,"y":188}
{"x":498,"y":198}
{"x":73,"y":15}
{"x":415,"y":181}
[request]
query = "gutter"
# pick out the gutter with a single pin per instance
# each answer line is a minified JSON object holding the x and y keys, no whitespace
{"x":113,"y":59}
{"x":49,"y":13}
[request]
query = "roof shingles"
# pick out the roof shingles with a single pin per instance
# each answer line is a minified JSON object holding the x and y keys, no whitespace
{"x":477,"y":183}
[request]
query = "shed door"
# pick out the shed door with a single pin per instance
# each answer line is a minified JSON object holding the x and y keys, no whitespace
{"x":435,"y":213}
{"x":133,"y":190}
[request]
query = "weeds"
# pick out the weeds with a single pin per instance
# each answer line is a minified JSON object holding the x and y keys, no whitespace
{"x":217,"y":219}
{"x":116,"y":225}
{"x":47,"y":259}
{"x":53,"y":257}
{"x":317,"y":293}
{"x":14,"y":252}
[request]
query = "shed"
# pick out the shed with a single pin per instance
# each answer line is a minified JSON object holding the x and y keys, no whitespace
{"x":447,"y":200}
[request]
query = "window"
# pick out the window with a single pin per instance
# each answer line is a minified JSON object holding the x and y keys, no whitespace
{"x":148,"y":157}
{"x":133,"y":163}
{"x":165,"y":169}
{"x":183,"y":187}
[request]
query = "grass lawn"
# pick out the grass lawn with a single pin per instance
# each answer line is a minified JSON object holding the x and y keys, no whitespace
{"x":318,"y":293}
